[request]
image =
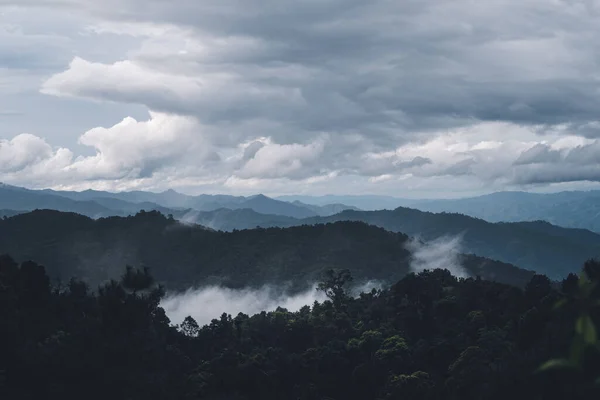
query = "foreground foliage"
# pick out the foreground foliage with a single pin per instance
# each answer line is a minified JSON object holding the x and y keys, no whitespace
{"x":430,"y":336}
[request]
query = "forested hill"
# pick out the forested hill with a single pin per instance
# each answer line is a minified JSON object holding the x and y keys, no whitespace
{"x":547,"y":249}
{"x":428,"y":337}
{"x":539,"y":246}
{"x":182,"y":255}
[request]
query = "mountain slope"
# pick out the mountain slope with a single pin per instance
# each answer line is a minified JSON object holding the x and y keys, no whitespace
{"x":225,"y":219}
{"x":363,"y":202}
{"x":19,"y":199}
{"x":188,"y":255}
{"x":537,"y":246}
{"x":542,"y":251}
{"x":577,"y":209}
{"x":205,"y":202}
{"x":326,"y":209}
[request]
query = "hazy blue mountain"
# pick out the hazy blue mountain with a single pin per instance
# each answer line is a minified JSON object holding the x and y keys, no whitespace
{"x":9,"y":213}
{"x":575,"y":209}
{"x":327,"y":209}
{"x":366,"y":202}
{"x":539,"y":246}
{"x":266,"y":205}
{"x":20,"y":199}
{"x":225,"y":219}
{"x":173,"y":200}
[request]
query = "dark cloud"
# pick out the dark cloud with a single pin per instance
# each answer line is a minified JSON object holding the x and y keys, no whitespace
{"x":372,"y":65}
{"x":252,"y":149}
{"x":460,"y":168}
{"x":541,"y":164}
{"x":322,"y":87}
{"x":540,"y":153}
{"x":557,"y":173}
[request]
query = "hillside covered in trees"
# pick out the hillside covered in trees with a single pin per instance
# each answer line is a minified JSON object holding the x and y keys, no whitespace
{"x":430,"y":336}
{"x":536,"y":245}
{"x":183,"y":256}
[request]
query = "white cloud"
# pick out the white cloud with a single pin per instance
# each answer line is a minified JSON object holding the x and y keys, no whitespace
{"x":23,"y":151}
{"x":326,"y":96}
{"x":206,"y":304}
{"x":442,"y":253}
{"x":280,"y":161}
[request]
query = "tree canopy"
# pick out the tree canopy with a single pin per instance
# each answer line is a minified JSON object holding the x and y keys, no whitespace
{"x":429,"y":336}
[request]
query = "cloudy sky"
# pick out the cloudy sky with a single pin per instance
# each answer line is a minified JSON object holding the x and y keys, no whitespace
{"x":413,"y":98}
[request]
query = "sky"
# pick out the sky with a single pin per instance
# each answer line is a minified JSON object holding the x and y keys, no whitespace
{"x":412,"y":98}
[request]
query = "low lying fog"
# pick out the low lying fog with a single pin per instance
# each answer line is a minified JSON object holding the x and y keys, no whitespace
{"x":207,"y":303}
{"x":443,"y":253}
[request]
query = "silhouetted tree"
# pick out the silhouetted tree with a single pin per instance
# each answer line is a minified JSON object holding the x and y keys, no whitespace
{"x":334,"y":285}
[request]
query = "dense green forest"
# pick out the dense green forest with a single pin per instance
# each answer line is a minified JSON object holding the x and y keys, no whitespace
{"x":183,"y":256}
{"x":430,"y":336}
{"x":536,"y":245}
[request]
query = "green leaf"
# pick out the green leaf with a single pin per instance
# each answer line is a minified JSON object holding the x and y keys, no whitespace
{"x":560,"y":303}
{"x":557,"y":363}
{"x":583,"y":279}
{"x":588,"y":289}
{"x":577,"y":348}
{"x":586,"y":328}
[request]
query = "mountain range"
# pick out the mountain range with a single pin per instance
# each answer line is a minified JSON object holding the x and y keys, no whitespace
{"x":183,"y":256}
{"x":570,"y":209}
{"x":574,"y":209}
{"x":536,"y":245}
{"x":97,"y":204}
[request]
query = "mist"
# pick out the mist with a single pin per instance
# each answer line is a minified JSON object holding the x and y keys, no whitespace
{"x":210,"y":302}
{"x":190,"y":218}
{"x":442,"y":253}
{"x":207,"y":303}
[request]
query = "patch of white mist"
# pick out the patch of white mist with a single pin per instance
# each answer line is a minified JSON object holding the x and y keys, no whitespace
{"x":366,"y":287}
{"x":192,"y":217}
{"x":441,"y":253}
{"x":189,"y":218}
{"x":207,"y":303}
{"x":210,"y":302}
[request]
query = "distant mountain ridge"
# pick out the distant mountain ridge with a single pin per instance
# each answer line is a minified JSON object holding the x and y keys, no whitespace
{"x":570,"y":209}
{"x":184,"y":256}
{"x":575,"y":209}
{"x":537,"y":245}
{"x":98,"y":204}
{"x":205,"y":202}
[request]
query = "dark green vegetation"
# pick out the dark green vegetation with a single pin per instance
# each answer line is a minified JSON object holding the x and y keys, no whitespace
{"x":538,"y":246}
{"x":183,"y":256}
{"x":430,"y":336}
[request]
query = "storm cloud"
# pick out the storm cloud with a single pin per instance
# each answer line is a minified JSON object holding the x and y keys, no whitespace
{"x":279,"y":96}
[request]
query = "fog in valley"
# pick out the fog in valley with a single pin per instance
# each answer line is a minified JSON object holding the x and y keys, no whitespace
{"x":207,"y":303}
